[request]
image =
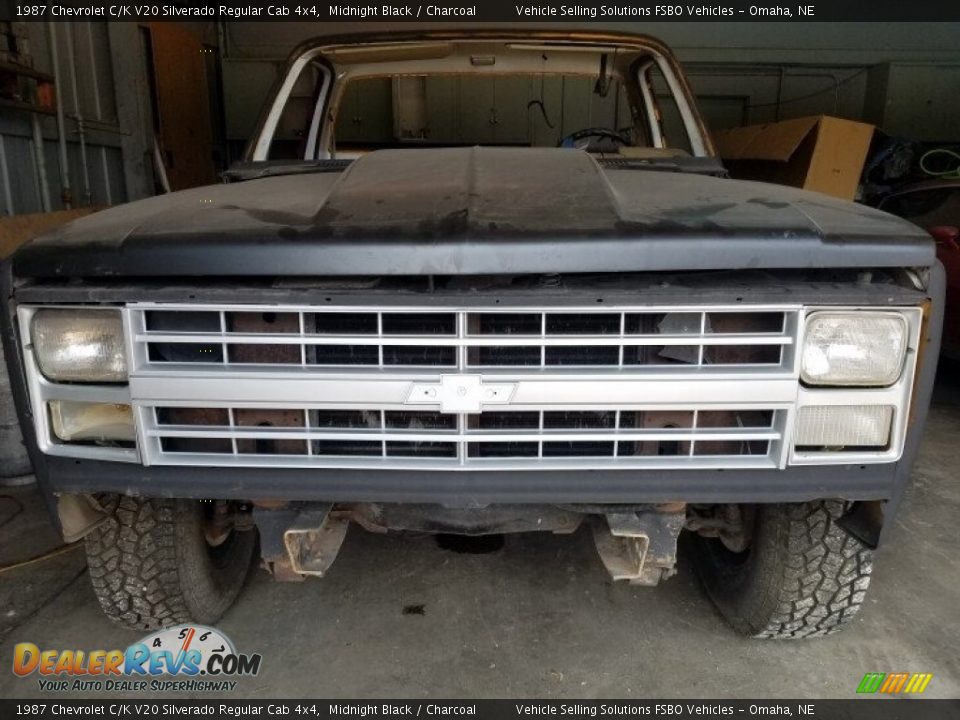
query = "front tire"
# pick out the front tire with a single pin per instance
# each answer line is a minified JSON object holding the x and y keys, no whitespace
{"x":801,"y":576}
{"x":152,"y":564}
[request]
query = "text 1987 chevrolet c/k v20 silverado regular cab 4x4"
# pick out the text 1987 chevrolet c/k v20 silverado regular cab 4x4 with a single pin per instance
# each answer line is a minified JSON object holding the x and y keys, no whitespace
{"x":474,"y":283}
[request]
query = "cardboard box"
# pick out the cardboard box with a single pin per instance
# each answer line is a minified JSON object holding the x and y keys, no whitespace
{"x":15,"y":230}
{"x":819,"y":153}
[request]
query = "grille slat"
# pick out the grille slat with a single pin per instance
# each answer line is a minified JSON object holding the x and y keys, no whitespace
{"x":268,"y":433}
{"x":466,"y":339}
{"x":469,"y":340}
{"x":517,"y":435}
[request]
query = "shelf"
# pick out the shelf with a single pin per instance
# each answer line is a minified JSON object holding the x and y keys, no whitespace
{"x":38,"y":84}
{"x":27,"y":107}
{"x":25,"y":71}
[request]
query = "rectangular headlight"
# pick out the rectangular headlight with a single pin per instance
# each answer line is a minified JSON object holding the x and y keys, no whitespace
{"x":79,"y":345}
{"x":854,"y":348}
{"x":843,"y":426}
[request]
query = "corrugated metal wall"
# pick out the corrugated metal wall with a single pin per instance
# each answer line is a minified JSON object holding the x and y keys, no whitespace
{"x":90,"y":103}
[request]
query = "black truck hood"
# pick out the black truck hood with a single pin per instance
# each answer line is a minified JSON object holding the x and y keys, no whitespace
{"x":475,"y":211}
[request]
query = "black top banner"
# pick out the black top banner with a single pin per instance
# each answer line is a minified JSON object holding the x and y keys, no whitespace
{"x":489,"y":11}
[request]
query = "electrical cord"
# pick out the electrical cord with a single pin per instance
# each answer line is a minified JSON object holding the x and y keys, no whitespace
{"x":30,"y":561}
{"x":63,"y":549}
{"x":810,"y":95}
{"x":541,"y":102}
{"x":543,"y":111}
{"x":21,"y":619}
{"x":16,"y":512}
{"x":948,"y":173}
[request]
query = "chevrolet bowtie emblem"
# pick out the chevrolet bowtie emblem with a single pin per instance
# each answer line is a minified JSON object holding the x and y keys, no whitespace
{"x":460,"y":394}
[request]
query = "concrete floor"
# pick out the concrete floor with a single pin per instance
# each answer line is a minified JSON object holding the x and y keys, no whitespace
{"x":402,"y":617}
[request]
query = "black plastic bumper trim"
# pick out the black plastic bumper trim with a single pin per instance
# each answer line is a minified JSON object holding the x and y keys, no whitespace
{"x":477,"y":488}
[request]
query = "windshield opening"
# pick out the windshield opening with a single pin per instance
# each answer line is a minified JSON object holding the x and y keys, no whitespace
{"x":463,"y":109}
{"x":609,"y":100}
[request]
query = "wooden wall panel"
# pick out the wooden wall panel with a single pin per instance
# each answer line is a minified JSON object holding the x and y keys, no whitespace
{"x":182,"y":103}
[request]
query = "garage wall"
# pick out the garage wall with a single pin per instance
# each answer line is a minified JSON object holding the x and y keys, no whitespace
{"x":101,"y":91}
{"x":742,"y":72}
{"x":843,"y":43}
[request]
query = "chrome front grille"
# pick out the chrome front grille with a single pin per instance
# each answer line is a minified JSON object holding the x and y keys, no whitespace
{"x":462,"y":340}
{"x":468,"y":387}
{"x":625,"y":437}
{"x":463,"y":388}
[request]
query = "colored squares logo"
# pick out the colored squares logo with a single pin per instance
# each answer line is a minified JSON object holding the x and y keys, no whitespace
{"x":894,"y":683}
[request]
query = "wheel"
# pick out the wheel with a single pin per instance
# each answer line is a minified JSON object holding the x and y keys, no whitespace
{"x":799,"y":575}
{"x":13,"y":454}
{"x":158,"y":562}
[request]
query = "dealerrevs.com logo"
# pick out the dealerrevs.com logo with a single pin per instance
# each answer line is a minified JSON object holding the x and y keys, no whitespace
{"x":181,"y":658}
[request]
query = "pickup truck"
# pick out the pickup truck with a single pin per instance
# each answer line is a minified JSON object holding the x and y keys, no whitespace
{"x":478,"y":283}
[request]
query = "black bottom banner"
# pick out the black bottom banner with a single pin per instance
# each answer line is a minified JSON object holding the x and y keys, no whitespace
{"x":868,"y":709}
